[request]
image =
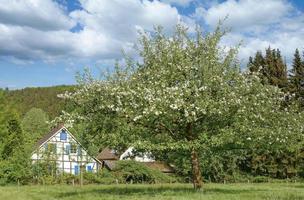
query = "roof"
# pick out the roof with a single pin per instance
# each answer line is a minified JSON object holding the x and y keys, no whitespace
{"x":159,"y":165}
{"x":48,"y":135}
{"x":110,"y":164}
{"x":107,"y":154}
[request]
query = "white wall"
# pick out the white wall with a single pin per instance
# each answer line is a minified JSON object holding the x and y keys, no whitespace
{"x":129,"y":153}
{"x":66,"y":162}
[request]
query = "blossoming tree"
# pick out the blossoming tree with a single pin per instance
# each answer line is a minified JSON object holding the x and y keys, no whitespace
{"x":185,"y":94}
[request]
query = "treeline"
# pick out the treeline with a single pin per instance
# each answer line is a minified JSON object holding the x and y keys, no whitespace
{"x":273,"y":70}
{"x":45,"y":98}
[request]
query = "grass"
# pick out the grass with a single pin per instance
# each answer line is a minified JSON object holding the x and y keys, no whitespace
{"x":267,"y":191}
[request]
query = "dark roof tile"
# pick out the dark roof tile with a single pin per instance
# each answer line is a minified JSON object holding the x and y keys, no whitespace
{"x":48,"y":135}
{"x":107,"y":154}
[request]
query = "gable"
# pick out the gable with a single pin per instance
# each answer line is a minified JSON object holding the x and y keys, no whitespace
{"x":49,"y":135}
{"x":56,"y":136}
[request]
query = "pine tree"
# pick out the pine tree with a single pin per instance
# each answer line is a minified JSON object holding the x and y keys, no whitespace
{"x":34,"y":124}
{"x":257,"y":63}
{"x":250,"y":65}
{"x":280,"y":70}
{"x":272,"y":68}
{"x":15,"y":138}
{"x":297,"y":77}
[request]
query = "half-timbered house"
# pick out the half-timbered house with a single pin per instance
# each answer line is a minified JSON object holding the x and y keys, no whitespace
{"x":66,"y":151}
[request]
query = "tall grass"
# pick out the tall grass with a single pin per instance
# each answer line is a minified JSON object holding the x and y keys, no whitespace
{"x":268,"y":191}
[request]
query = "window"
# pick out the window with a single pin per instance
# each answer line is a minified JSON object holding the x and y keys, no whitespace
{"x":67,"y":149}
{"x":89,"y":168}
{"x":63,"y":135}
{"x":73,"y":148}
{"x":76,"y":170}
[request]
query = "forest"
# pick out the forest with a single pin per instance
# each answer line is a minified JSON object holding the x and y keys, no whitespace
{"x":262,"y":142}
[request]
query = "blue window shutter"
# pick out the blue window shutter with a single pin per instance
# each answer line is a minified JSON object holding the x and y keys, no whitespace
{"x":76,"y":170}
{"x":67,"y":149}
{"x":89,"y":168}
{"x":63,"y":135}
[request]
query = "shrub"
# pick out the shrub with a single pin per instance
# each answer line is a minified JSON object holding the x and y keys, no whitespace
{"x":67,"y":178}
{"x":107,"y":177}
{"x":260,"y":179}
{"x":127,"y":171}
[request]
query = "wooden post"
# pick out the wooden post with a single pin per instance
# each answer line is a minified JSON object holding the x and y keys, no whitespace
{"x":81,"y":175}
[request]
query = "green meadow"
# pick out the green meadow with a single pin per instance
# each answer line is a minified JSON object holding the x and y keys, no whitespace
{"x":271,"y":191}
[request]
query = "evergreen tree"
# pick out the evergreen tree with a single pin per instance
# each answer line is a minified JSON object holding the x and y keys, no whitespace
{"x":15,"y":137}
{"x":15,"y":162}
{"x":272,"y":68}
{"x":34,"y":124}
{"x":250,"y":64}
{"x":297,"y":77}
{"x":257,"y":63}
{"x":280,"y":72}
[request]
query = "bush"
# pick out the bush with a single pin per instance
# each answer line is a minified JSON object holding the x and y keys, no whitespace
{"x":260,"y":179}
{"x":107,"y":177}
{"x":127,"y":171}
{"x":3,"y":181}
{"x":67,"y":178}
{"x":124,"y":172}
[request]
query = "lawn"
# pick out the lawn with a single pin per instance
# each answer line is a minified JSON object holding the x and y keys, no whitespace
{"x":273,"y":191}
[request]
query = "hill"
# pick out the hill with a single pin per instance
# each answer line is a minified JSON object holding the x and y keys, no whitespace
{"x":44,"y":98}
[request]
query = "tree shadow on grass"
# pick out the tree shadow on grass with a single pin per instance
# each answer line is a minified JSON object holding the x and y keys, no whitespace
{"x":152,"y":191}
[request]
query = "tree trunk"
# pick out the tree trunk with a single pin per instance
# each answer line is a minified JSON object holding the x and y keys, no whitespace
{"x":196,"y":171}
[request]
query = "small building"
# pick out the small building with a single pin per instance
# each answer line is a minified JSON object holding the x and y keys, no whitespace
{"x":68,"y":153}
{"x":109,"y":157}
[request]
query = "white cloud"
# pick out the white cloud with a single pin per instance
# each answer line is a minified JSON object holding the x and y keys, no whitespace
{"x":258,"y":24}
{"x":286,"y":41}
{"x":29,"y":43}
{"x":40,"y":29}
{"x":120,"y":18}
{"x":246,"y":14}
{"x":39,"y":14}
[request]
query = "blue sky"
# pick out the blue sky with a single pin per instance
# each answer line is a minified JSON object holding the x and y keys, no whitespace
{"x":45,"y":42}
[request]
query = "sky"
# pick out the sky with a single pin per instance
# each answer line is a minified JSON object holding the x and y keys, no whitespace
{"x":45,"y":42}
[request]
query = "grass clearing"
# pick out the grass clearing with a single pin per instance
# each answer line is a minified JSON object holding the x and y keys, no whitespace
{"x":267,"y":191}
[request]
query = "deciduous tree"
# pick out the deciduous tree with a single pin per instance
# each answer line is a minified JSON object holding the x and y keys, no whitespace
{"x":186,"y":94}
